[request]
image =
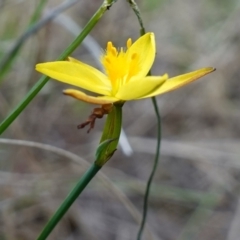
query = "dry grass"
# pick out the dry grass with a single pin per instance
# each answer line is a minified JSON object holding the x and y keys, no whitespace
{"x":196,"y":189}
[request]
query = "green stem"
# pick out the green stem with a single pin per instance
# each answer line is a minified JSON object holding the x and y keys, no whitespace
{"x":43,"y":80}
{"x":83,"y":182}
{"x":155,"y":164}
{"x":104,"y":152}
{"x":136,"y":10}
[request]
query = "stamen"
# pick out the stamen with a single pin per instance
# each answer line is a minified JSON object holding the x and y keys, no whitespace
{"x":114,"y":51}
{"x":109,"y":46}
{"x":129,"y":43}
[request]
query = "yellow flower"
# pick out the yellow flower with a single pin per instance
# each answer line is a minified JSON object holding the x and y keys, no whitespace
{"x":125,"y":75}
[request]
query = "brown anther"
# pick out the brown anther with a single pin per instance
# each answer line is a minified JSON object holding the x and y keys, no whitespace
{"x":97,"y":113}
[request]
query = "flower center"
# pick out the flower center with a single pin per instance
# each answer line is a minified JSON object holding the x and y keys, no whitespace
{"x":120,"y":65}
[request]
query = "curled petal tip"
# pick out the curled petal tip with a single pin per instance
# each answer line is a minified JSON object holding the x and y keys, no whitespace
{"x":89,"y":99}
{"x":210,"y":69}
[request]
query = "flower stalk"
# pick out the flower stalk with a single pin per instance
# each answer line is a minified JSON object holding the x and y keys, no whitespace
{"x":69,"y":200}
{"x":106,"y":149}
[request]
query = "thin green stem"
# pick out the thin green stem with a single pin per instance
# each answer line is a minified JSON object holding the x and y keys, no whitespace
{"x":43,"y":80}
{"x":155,"y":164}
{"x":69,"y":200}
{"x":136,"y":10}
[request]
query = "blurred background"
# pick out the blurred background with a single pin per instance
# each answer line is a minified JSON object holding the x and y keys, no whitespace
{"x":195,"y":194}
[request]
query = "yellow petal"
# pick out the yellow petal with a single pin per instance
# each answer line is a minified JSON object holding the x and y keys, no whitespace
{"x":139,"y":88}
{"x":145,"y":50}
{"x":89,"y":99}
{"x":76,"y":74}
{"x":103,"y":77}
{"x":181,"y":80}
